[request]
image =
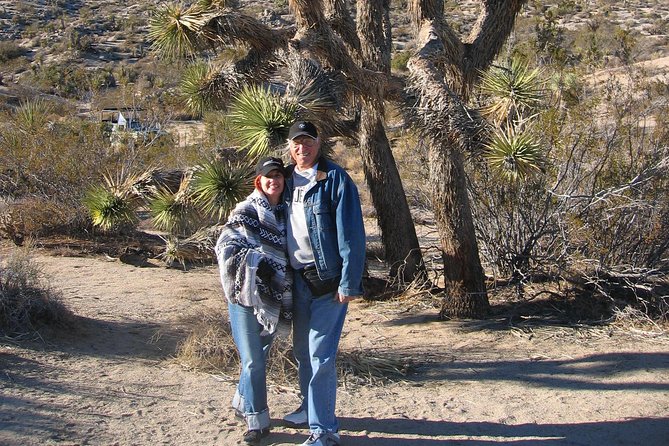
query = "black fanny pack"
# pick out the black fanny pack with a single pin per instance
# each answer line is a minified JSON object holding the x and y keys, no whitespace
{"x":317,"y":286}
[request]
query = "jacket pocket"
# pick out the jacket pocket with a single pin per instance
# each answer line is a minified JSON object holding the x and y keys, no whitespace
{"x":324,"y":218}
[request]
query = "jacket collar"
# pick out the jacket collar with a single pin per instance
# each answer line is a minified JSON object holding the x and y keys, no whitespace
{"x":321,"y":172}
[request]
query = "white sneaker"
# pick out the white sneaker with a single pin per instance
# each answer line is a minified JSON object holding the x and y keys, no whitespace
{"x":297,"y":418}
{"x":324,"y":439}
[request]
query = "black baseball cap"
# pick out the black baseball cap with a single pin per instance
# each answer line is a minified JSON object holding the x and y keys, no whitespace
{"x":268,"y":164}
{"x":302,"y":128}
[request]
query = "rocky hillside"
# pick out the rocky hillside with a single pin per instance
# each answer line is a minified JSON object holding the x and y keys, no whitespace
{"x":97,"y":34}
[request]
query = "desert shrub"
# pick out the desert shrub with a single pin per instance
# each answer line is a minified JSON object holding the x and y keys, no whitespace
{"x":600,"y":212}
{"x":32,"y":217}
{"x":218,"y":132}
{"x":210,"y":347}
{"x":26,"y":301}
{"x":399,"y":60}
{"x":10,"y":50}
{"x":44,"y":156}
{"x":71,"y":80}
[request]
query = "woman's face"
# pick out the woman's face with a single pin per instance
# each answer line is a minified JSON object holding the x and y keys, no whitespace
{"x":272,"y":185}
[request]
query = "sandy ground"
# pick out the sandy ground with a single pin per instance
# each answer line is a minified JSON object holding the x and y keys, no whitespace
{"x":114,"y":381}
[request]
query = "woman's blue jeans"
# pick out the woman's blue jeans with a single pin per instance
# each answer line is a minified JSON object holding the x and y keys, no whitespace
{"x":317,"y":326}
{"x":251,"y":395}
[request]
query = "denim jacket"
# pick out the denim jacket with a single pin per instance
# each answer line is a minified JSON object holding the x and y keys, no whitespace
{"x":336,"y":228}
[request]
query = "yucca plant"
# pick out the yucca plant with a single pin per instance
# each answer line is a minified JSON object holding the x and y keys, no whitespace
{"x":32,"y":115}
{"x":199,"y":247}
{"x":217,"y":186}
{"x":174,"y":30}
{"x":193,"y":87}
{"x":318,"y":92}
{"x":514,"y":155}
{"x":512,"y":90}
{"x":114,"y":203}
{"x":173,"y":212}
{"x":261,"y":119}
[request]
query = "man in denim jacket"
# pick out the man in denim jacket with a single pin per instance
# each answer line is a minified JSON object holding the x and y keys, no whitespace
{"x":326,"y":248}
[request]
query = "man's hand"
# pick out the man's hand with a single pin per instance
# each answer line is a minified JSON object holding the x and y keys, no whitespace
{"x":343,"y":299}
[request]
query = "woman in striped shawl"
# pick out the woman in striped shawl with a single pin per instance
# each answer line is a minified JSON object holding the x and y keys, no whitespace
{"x":257,"y":282}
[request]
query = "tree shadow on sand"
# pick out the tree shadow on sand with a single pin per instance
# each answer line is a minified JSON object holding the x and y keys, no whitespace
{"x":589,"y":372}
{"x":646,"y":431}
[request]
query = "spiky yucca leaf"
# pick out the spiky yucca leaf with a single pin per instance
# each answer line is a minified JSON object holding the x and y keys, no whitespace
{"x":193,"y":87}
{"x":175,"y":252}
{"x":513,"y":90}
{"x":260,"y":119}
{"x":199,"y":247}
{"x":217,"y":186}
{"x":32,"y":115}
{"x":109,"y":209}
{"x":174,"y":30}
{"x":514,"y":156}
{"x":173,"y":211}
{"x":316,"y":91}
{"x":114,"y":203}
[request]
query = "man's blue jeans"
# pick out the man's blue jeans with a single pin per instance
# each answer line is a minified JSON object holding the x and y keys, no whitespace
{"x":251,"y":395}
{"x":317,"y":327}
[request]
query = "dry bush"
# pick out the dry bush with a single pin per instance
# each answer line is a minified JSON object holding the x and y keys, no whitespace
{"x":371,"y":367}
{"x":602,"y":201}
{"x":34,"y":217}
{"x":27,"y":303}
{"x":211,"y":348}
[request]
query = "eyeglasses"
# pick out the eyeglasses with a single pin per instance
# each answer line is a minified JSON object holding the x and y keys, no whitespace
{"x":303,"y":141}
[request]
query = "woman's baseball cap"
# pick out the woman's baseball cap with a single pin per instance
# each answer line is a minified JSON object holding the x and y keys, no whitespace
{"x":268,"y":164}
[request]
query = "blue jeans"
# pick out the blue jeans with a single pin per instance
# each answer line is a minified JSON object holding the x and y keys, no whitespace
{"x":317,"y":327}
{"x":251,"y":395}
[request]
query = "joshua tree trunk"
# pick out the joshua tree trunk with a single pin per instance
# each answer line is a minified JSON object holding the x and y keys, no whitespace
{"x":397,"y":229}
{"x":464,"y":277}
{"x":394,"y":217}
{"x":444,"y":71}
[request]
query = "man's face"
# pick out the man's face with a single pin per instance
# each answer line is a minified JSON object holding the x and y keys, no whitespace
{"x":304,"y":150}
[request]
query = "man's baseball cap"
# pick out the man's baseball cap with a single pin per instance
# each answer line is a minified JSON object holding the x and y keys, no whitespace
{"x":268,"y":164}
{"x":302,"y":128}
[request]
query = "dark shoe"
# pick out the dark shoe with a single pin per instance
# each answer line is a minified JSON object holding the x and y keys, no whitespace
{"x":254,"y":436}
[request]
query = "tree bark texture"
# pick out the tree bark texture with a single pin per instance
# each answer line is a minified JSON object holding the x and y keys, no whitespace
{"x":463,"y":273}
{"x":397,"y":228}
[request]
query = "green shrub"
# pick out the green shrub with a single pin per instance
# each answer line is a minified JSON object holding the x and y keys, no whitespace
{"x":399,"y":61}
{"x":72,"y":80}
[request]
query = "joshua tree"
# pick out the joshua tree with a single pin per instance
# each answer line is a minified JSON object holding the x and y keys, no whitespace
{"x":356,"y":61}
{"x":444,"y":70}
{"x":355,"y":55}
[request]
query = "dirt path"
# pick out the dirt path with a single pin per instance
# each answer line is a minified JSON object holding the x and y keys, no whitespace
{"x":112,"y":382}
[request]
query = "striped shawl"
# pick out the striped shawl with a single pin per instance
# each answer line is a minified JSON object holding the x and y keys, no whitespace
{"x":255,"y":231}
